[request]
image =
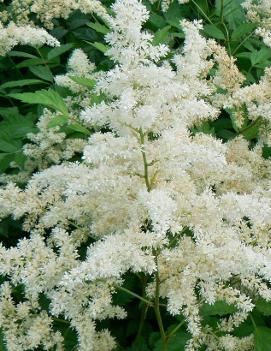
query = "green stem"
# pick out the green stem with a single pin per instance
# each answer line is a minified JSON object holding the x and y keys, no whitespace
{"x":143,"y":316}
{"x":135,"y":295}
{"x":202,"y":12}
{"x":227,"y":37}
{"x":144,"y":309}
{"x":242,"y":42}
{"x":221,"y":10}
{"x":146,"y":164}
{"x":157,"y":308}
{"x":253,"y":322}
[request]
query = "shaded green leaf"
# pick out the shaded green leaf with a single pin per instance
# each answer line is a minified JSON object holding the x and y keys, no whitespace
{"x":20,"y":83}
{"x":264,"y":307}
{"x":42,"y":72}
{"x":262,"y":337}
{"x":219,"y":308}
{"x":59,"y":50}
{"x":161,"y":35}
{"x":213,"y":31}
{"x":99,"y":27}
{"x":99,"y":46}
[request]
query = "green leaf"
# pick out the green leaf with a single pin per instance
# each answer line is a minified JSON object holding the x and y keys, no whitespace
{"x":16,"y":126}
{"x":259,"y":56}
{"x":156,"y":20}
{"x":99,"y":27}
{"x":176,"y":342}
{"x":48,"y":98}
{"x":86,"y":82}
{"x":252,"y":131}
{"x":30,"y":62}
{"x":15,"y":53}
{"x":262,"y":337}
{"x":20,"y":83}
{"x":58,"y":121}
{"x":99,"y":46}
{"x":8,"y":145}
{"x":5,"y":159}
{"x":233,"y":12}
{"x":242,"y":30}
{"x":174,"y":14}
{"x":79,"y":128}
{"x":59,"y":50}
{"x":7,"y":112}
{"x":97,"y":99}
{"x":42,"y":72}
{"x":264,"y":307}
{"x":213,"y":31}
{"x":219,"y":308}
{"x":225,"y":134}
{"x":161,"y":35}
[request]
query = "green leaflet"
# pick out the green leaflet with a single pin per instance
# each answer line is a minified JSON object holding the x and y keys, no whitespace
{"x":262,"y":339}
{"x":49,"y":98}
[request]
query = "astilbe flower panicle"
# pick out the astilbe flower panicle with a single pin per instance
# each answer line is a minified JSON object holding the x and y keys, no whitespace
{"x":212,"y":198}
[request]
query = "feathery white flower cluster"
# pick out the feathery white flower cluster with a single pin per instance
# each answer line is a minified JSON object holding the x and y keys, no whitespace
{"x":260,"y":12}
{"x":79,"y":66}
{"x":13,"y":35}
{"x":189,"y":212}
{"x":166,"y":3}
{"x":47,"y":10}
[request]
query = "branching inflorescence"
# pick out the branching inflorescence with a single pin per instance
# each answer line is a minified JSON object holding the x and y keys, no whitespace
{"x":190,"y":213}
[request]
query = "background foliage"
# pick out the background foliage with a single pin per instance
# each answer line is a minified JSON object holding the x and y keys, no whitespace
{"x":28,"y":70}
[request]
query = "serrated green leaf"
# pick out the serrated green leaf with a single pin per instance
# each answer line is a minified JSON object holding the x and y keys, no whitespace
{"x":213,"y":31}
{"x":259,"y":56}
{"x":42,"y":72}
{"x":86,"y":82}
{"x":233,"y":12}
{"x":176,"y":342}
{"x":17,"y":126}
{"x":242,"y":30}
{"x":58,"y":121}
{"x":79,"y":128}
{"x":219,"y":308}
{"x":59,"y":50}
{"x":161,"y":35}
{"x":99,"y":46}
{"x":156,"y":20}
{"x":97,"y":99}
{"x":20,"y":83}
{"x":174,"y":14}
{"x":252,"y":131}
{"x":99,"y":27}
{"x":7,"y":112}
{"x":7,"y":144}
{"x":263,"y":306}
{"x":262,"y":337}
{"x":49,"y":98}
